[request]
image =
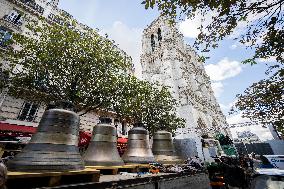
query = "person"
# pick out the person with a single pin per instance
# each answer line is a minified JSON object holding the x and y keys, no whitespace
{"x":3,"y":175}
{"x":234,"y":175}
{"x":243,"y":162}
{"x":251,"y":163}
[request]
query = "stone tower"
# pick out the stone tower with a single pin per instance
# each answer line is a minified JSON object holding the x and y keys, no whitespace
{"x":168,"y":60}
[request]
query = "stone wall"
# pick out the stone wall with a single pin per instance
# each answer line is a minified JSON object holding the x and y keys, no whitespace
{"x":168,"y":60}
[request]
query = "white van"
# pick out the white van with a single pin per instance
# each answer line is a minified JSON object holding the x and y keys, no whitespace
{"x":276,"y":160}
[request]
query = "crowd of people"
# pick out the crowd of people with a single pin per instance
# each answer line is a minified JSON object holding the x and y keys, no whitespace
{"x":237,"y":172}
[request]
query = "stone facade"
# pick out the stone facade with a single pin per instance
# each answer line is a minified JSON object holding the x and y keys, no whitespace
{"x":168,"y":60}
{"x":12,"y":19}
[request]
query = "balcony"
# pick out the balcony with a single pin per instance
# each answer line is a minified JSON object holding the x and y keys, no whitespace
{"x":16,"y":22}
{"x":55,"y":19}
{"x":30,"y":5}
{"x":12,"y":24}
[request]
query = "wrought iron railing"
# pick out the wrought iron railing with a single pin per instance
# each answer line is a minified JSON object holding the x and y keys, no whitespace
{"x":56,"y":19}
{"x":17,"y":22}
{"x":32,"y":4}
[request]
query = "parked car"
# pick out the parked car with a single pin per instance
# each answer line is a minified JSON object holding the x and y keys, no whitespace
{"x":268,"y":179}
{"x":276,"y":160}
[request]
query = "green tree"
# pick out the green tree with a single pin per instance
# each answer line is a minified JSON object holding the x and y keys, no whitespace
{"x":55,"y":62}
{"x":59,"y":62}
{"x":263,"y":102}
{"x":261,"y":22}
{"x":260,"y":27}
{"x":150,"y":104}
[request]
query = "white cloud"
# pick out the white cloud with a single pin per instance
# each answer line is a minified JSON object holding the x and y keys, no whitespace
{"x":266,"y":60}
{"x":189,"y":27}
{"x":262,"y":132}
{"x":223,"y":70}
{"x":223,"y":106}
{"x":129,"y":40}
{"x":226,"y":108}
{"x":243,"y":25}
{"x":234,"y":46}
{"x":235,"y":119}
{"x":238,"y":30}
{"x":218,"y":88}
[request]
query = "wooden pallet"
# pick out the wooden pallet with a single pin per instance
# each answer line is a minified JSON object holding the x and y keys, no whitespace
{"x":113,"y":170}
{"x":26,"y":180}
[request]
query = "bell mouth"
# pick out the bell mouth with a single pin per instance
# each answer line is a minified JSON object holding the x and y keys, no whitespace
{"x":53,"y":147}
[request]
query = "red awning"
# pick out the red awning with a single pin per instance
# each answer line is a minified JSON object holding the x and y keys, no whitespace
{"x":85,"y":137}
{"x":122,"y":140}
{"x":17,"y":128}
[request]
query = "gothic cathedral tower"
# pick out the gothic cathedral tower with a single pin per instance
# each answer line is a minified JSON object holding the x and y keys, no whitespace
{"x":168,"y":60}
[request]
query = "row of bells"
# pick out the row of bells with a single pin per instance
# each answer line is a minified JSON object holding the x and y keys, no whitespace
{"x":54,"y":146}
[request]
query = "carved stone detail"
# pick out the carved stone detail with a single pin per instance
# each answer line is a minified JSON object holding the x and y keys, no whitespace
{"x":171,"y":62}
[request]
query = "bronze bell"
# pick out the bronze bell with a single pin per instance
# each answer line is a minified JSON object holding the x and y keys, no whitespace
{"x":53,"y":147}
{"x":138,"y":146}
{"x":163,"y":148}
{"x":102,"y":150}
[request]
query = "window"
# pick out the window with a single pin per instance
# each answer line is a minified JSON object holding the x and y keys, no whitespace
{"x":153,"y":42}
{"x":41,"y":80}
{"x":14,"y":17}
{"x":159,"y":34}
{"x":5,"y":35}
{"x":215,"y":125}
{"x":201,"y":126}
{"x":123,"y":128}
{"x":4,"y":75}
{"x":28,"y":112}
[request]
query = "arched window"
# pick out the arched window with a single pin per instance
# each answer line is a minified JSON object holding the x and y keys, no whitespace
{"x":153,"y":42}
{"x":201,"y":127}
{"x":215,"y":125}
{"x":159,"y":34}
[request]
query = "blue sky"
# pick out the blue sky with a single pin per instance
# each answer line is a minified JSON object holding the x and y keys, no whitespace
{"x":124,"y":21}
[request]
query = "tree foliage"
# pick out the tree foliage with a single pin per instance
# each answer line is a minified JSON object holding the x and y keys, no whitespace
{"x":259,"y":23}
{"x":224,"y":140}
{"x":144,"y":102}
{"x":61,"y":62}
{"x":263,"y":102}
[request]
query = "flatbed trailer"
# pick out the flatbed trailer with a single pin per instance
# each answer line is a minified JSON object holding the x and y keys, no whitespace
{"x":158,"y":181}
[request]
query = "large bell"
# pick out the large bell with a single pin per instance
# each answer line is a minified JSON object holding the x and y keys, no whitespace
{"x":53,"y":147}
{"x":163,"y":148}
{"x":102,"y":150}
{"x":138,"y":146}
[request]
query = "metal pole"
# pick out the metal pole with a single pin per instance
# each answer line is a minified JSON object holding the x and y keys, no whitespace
{"x":3,"y":96}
